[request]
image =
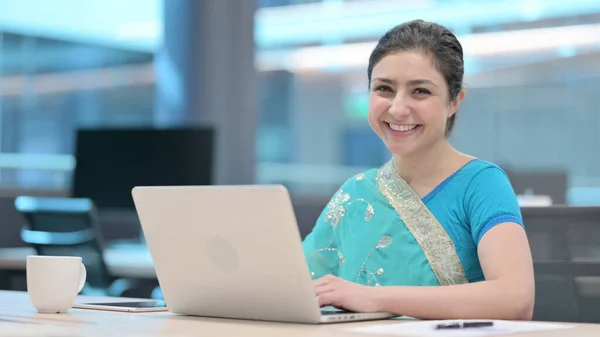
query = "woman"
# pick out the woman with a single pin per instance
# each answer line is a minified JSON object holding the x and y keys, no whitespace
{"x":433,"y":233}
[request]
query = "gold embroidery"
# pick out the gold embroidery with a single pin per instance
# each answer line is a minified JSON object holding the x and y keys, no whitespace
{"x":369,"y":211}
{"x":329,"y":249}
{"x":336,"y":210}
{"x":429,"y":233}
{"x":334,"y":215}
{"x":384,"y":242}
{"x":341,"y":258}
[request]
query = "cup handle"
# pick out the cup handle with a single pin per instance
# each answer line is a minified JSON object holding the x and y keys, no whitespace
{"x":82,"y":277}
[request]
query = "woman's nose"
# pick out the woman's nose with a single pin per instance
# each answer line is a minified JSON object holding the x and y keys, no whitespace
{"x":399,"y":108}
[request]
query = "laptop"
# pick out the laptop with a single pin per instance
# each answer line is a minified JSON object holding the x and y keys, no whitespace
{"x":232,"y":252}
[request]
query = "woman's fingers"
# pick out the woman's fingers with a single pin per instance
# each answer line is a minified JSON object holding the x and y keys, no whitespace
{"x":325,"y":284}
{"x":324,"y":288}
{"x":325,"y":279}
{"x":327,"y":299}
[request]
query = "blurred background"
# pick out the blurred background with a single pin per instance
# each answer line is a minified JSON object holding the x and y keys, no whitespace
{"x":275,"y":91}
{"x":532,"y":72}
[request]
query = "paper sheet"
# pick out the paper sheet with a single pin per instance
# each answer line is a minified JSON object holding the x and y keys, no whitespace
{"x":428,"y":329}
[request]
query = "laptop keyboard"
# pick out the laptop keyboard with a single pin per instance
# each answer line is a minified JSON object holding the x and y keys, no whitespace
{"x":334,"y":311}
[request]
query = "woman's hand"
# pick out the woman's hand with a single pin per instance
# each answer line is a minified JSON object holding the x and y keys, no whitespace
{"x":336,"y":292}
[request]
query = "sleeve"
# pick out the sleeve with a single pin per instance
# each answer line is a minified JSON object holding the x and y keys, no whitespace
{"x":489,"y":201}
{"x":320,"y":245}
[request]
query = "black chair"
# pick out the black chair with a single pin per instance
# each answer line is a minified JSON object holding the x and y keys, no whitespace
{"x":69,"y":227}
{"x":565,"y":244}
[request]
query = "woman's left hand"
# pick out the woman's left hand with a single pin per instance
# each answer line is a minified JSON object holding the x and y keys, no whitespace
{"x":336,"y":292}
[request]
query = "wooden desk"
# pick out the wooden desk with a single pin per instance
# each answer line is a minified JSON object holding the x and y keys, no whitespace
{"x":19,"y":318}
{"x":126,"y":260}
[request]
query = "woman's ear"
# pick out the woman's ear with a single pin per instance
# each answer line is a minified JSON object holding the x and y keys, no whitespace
{"x":455,"y":104}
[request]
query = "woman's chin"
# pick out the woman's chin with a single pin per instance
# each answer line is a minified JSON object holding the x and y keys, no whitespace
{"x":400,"y":150}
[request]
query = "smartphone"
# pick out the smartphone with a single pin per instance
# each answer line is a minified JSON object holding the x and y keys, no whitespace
{"x":136,"y":306}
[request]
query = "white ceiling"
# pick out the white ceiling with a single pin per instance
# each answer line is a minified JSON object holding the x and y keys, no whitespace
{"x":137,"y":24}
{"x":127,"y":24}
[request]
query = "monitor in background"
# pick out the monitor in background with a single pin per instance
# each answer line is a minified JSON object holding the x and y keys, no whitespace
{"x":544,"y":183}
{"x":111,"y":161}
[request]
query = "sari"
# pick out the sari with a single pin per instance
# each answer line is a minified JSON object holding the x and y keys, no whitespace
{"x":377,"y":231}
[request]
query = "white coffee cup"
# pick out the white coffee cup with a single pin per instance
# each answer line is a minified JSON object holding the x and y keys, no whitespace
{"x":53,"y":282}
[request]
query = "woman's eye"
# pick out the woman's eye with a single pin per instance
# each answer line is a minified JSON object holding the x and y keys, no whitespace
{"x":383,"y":88}
{"x":422,"y":91}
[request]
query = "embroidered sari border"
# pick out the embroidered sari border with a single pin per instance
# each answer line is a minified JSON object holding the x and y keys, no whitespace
{"x":425,"y":228}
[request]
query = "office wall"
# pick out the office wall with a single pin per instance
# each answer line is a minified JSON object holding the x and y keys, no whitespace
{"x":526,"y":110}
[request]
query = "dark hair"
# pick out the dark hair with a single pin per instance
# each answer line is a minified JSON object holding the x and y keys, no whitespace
{"x":430,"y":39}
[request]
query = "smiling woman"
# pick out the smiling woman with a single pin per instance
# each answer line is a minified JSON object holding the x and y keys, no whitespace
{"x":433,"y":233}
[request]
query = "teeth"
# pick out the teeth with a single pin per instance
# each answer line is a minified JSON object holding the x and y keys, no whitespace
{"x":403,"y":127}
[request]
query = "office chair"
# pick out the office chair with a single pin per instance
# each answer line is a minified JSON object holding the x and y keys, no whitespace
{"x":565,"y":245}
{"x":69,"y":227}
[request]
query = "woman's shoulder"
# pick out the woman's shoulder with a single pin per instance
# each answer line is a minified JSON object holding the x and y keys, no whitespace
{"x":357,"y":186}
{"x":479,"y":175}
{"x":484,"y":182}
{"x":364,"y":179}
{"x":488,"y":198}
{"x":479,"y":166}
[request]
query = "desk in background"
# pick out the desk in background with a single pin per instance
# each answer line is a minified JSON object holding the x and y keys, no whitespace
{"x":126,"y":260}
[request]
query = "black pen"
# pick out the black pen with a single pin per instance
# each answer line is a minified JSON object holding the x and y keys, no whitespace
{"x":463,"y":325}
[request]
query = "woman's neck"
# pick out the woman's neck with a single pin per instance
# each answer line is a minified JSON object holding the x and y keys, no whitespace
{"x":425,"y":165}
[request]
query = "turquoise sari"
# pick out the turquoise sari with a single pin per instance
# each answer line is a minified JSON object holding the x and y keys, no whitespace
{"x":377,"y":231}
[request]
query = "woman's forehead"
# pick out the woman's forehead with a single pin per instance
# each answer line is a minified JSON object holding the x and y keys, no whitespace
{"x":406,"y":65}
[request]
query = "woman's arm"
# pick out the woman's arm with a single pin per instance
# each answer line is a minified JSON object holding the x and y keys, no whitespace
{"x":507,"y":293}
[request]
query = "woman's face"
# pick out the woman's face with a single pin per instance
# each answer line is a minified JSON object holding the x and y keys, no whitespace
{"x":409,"y":104}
